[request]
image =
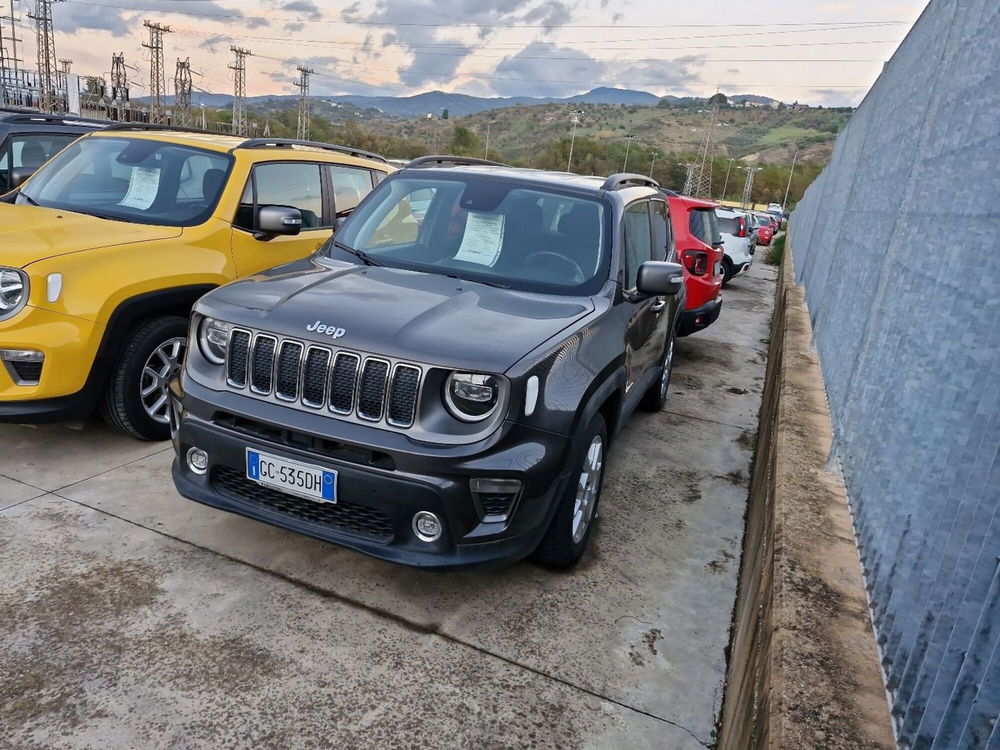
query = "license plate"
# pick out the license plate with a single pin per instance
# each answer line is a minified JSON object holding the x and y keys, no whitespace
{"x":293,"y":477}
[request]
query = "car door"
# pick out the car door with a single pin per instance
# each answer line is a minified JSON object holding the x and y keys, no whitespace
{"x":643,"y":331}
{"x":297,"y":184}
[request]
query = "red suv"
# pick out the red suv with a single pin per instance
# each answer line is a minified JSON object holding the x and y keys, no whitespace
{"x":699,"y":250}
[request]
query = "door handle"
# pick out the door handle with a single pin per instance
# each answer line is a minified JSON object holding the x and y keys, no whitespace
{"x":658,"y":305}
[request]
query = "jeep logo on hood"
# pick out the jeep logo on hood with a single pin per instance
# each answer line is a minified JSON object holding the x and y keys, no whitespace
{"x":321,"y":327}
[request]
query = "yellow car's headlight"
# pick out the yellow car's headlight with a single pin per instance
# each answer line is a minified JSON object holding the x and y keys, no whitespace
{"x":13,"y":291}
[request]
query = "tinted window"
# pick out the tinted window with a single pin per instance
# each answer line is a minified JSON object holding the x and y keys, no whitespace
{"x":662,"y":239}
{"x":30,"y":152}
{"x":296,"y":185}
{"x":528,"y":238}
{"x":729,"y":225}
{"x":638,"y":248}
{"x":704,"y":225}
{"x":350,"y":185}
{"x":137,"y":180}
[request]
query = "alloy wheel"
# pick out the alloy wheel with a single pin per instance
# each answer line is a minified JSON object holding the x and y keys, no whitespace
{"x":160,"y":368}
{"x":586,"y":492}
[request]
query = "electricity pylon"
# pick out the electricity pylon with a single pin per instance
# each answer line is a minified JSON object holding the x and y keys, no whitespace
{"x":701,"y":181}
{"x":239,"y":68}
{"x":747,"y":200}
{"x":46,"y":45}
{"x":10,"y":83}
{"x":303,"y":85}
{"x":157,"y":76}
{"x":182,"y":93}
{"x":119,"y":85}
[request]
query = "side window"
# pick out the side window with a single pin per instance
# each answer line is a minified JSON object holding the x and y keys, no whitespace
{"x":245,"y":214}
{"x":294,"y":184}
{"x":663,"y":241}
{"x":350,"y":185}
{"x":401,"y":225}
{"x":30,"y":152}
{"x":638,"y":247}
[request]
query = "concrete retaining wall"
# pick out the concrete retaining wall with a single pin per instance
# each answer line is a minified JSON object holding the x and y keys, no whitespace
{"x":803,"y":666}
{"x":896,"y":245}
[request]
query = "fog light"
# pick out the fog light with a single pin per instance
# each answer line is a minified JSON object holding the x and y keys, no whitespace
{"x":426,"y":526}
{"x":197,"y":460}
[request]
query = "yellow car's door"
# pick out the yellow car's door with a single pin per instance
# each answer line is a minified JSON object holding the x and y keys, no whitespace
{"x":297,"y":184}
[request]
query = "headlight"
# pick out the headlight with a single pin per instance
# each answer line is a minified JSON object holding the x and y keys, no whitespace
{"x":472,"y":397}
{"x":213,"y":339}
{"x":13,"y":291}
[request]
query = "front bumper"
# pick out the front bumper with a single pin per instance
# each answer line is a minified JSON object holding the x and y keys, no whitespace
{"x":699,"y":318}
{"x":383,"y":480}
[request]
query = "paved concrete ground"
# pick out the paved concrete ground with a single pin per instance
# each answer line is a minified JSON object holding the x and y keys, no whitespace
{"x":130,"y":617}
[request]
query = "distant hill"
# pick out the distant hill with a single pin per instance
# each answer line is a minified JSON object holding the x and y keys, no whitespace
{"x":433,"y":102}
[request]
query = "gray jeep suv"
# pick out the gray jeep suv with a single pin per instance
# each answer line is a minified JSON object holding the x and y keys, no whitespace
{"x":438,"y":385}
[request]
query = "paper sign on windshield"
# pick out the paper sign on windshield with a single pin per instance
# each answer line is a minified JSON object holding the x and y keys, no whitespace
{"x":483,"y":239}
{"x":142,"y":189}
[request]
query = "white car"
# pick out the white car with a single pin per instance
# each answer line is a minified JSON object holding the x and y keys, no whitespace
{"x":772,"y":207}
{"x":738,"y":240}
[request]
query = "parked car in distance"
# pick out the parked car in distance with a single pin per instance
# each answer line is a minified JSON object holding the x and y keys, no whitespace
{"x":765,"y":229}
{"x":699,"y":251}
{"x":104,"y":250}
{"x":774,"y":208}
{"x":439,"y":393}
{"x":738,"y":242}
{"x":29,"y":139}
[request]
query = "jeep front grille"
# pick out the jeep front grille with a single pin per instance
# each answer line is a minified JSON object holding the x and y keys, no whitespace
{"x":346,"y":383}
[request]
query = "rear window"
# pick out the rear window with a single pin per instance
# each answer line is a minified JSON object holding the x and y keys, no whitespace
{"x":705,"y":226}
{"x":729,"y":225}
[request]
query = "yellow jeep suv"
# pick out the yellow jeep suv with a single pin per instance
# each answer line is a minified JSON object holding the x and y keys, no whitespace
{"x":105,"y":249}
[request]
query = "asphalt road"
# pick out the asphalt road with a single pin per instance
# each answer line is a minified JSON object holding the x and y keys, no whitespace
{"x":130,"y":617}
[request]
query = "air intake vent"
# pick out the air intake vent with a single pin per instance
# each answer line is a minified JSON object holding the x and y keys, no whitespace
{"x":343,"y":382}
{"x":262,"y":367}
{"x":239,"y":356}
{"x":403,"y":396}
{"x":314,"y":373}
{"x":289,"y":363}
{"x":371,"y":394}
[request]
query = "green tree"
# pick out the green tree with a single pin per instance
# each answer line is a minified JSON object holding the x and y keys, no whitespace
{"x":464,"y":142}
{"x":444,"y":113}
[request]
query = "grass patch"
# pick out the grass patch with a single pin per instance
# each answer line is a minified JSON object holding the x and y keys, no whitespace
{"x":777,"y":251}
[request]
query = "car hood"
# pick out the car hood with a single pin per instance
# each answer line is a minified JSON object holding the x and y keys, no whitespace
{"x":421,"y":317}
{"x":32,"y":233}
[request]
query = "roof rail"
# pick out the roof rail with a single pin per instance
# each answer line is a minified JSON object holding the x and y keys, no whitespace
{"x":289,"y":142}
{"x":451,"y":161}
{"x":27,"y":117}
{"x":153,"y":126}
{"x":626,"y":179}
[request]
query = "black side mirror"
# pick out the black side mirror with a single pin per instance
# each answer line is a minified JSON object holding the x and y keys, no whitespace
{"x":20,"y":176}
{"x":277,"y":220}
{"x":658,"y":278}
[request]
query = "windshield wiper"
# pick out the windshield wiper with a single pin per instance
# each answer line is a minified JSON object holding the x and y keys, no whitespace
{"x":496,"y":284}
{"x":359,"y":254}
{"x":28,"y":198}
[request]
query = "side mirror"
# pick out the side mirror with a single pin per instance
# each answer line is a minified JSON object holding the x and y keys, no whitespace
{"x":719,"y":244}
{"x":20,"y":176}
{"x":658,"y":278}
{"x":277,"y":220}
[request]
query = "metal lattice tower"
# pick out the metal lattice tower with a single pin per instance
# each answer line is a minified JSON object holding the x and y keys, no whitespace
{"x":701,"y":181}
{"x":303,"y":86}
{"x":119,"y":85}
{"x":746,"y":200}
{"x":46,"y":44}
{"x":157,"y":76}
{"x":182,"y":93}
{"x":10,"y":84}
{"x":689,"y":180}
{"x":239,"y":68}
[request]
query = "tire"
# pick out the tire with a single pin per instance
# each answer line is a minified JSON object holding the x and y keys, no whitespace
{"x":654,"y":398}
{"x":565,"y":541}
{"x":145,"y":365}
{"x":727,"y":271}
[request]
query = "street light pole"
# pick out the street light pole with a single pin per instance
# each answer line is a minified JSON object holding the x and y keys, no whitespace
{"x":575,"y":115}
{"x":790,"y":173}
{"x":726,"y":186}
{"x":652,"y":161}
{"x":628,"y":142}
{"x":488,"y":126}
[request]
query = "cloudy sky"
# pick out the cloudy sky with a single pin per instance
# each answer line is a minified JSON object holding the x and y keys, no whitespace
{"x":817,"y":52}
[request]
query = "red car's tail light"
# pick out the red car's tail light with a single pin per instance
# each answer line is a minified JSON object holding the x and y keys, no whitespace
{"x":743,"y":228}
{"x":696,"y":262}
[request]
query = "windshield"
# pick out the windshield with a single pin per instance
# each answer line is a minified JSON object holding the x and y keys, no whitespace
{"x":482,"y":229}
{"x":136,"y":180}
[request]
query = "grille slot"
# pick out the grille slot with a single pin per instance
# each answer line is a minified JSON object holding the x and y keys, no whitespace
{"x":497,"y":506}
{"x":314,"y":377}
{"x":289,"y":362}
{"x":371,"y":393}
{"x":403,"y":396}
{"x":357,"y":519}
{"x":239,"y":356}
{"x":343,"y":382}
{"x":262,"y":365}
{"x":26,"y":373}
